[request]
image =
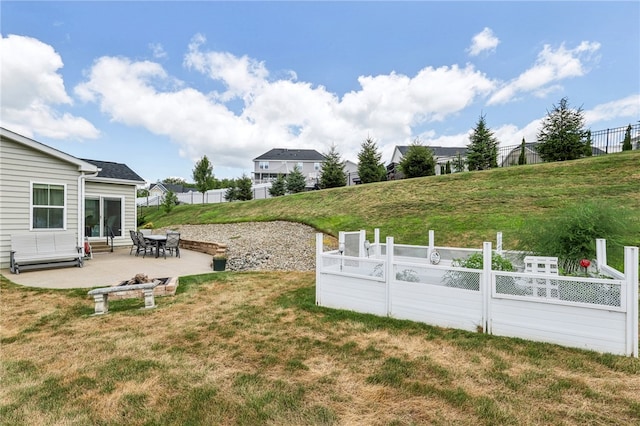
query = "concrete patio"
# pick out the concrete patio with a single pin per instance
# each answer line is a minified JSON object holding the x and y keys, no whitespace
{"x":106,"y":269}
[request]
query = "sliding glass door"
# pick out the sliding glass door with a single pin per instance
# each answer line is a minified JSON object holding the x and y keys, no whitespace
{"x":103,"y":216}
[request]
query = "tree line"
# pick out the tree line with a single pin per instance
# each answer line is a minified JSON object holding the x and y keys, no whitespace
{"x":562,"y":136}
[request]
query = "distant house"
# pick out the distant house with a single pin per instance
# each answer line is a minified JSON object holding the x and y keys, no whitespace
{"x":282,"y":161}
{"x":532,"y":155}
{"x":351,"y":171}
{"x":441,"y":154}
{"x":43,"y":189}
{"x":158,"y":189}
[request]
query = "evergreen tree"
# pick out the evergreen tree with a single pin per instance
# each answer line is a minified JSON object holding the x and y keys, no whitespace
{"x":231,"y":194}
{"x":244,"y":189}
{"x":278,"y":187}
{"x":523,"y":155}
{"x":169,"y":202}
{"x":370,"y":169}
{"x":295,"y":181}
{"x":203,"y":176}
{"x":562,"y":132}
{"x":418,"y":161}
{"x":626,"y":145}
{"x":482,"y":151}
{"x":332,"y":174}
{"x":588,"y":151}
{"x":458,"y":163}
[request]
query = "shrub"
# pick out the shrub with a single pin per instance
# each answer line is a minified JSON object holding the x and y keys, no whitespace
{"x":469,"y":281}
{"x":572,"y":235}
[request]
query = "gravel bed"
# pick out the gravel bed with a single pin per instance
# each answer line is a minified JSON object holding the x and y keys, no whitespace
{"x":259,"y":246}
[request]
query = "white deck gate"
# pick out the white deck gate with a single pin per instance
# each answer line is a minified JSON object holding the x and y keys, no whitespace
{"x":402,"y":282}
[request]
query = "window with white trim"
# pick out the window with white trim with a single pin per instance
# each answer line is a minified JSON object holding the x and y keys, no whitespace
{"x":300,"y":166}
{"x":316,"y":166}
{"x":263,"y":165}
{"x":47,"y":206}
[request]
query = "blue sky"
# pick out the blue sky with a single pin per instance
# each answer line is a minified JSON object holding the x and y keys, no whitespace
{"x":157,"y":85}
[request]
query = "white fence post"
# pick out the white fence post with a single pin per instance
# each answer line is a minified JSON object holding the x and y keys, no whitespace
{"x":486,"y":286}
{"x":319,"y":250}
{"x":631,"y":283}
{"x":601,"y":253}
{"x":376,"y":242}
{"x":432,"y":243}
{"x":389,"y":273}
{"x":363,"y":237}
{"x":499,"y":243}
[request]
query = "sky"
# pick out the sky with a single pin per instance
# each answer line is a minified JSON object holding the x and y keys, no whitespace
{"x":159,"y":85}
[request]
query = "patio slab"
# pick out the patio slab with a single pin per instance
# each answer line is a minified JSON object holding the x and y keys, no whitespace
{"x":107,"y":269}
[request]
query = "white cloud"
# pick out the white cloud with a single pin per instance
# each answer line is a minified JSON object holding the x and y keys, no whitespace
{"x":551,"y":66}
{"x":158,"y":50}
{"x":484,"y":41}
{"x":33,"y":91}
{"x":621,"y":108}
{"x":275,"y":112}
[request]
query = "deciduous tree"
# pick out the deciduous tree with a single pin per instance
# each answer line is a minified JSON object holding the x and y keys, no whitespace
{"x":203,"y":176}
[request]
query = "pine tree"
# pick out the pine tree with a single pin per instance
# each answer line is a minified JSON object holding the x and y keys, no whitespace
{"x":244,"y":189}
{"x":370,"y":169}
{"x":418,"y":161}
{"x":295,"y":181}
{"x":626,"y":145}
{"x":332,"y":174}
{"x":562,"y":132}
{"x":588,"y":151}
{"x":203,"y":176}
{"x":482,"y":151}
{"x":458,"y":163}
{"x":278,"y":187}
{"x":447,"y":168}
{"x":523,"y":155}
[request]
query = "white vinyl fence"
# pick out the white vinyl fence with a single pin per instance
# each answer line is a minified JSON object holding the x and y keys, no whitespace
{"x":420,"y":284}
{"x":213,"y":196}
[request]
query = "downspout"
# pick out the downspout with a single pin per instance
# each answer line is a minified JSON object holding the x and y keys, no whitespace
{"x":81,"y":192}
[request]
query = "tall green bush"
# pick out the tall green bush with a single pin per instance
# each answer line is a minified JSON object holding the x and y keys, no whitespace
{"x":571,"y":236}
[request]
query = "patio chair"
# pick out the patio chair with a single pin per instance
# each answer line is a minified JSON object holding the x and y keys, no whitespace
{"x":144,"y":245}
{"x":172,"y":243}
{"x":136,"y":244}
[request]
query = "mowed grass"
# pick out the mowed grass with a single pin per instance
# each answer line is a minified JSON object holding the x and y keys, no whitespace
{"x":253,"y":348}
{"x":464,"y":209}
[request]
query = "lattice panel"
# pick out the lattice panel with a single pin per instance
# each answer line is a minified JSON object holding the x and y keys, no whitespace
{"x":594,"y":293}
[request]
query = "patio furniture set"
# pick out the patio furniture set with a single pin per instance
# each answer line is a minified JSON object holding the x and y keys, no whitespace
{"x":155,"y":243}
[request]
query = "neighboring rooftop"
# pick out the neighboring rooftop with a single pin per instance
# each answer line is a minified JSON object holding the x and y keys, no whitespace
{"x":286,"y":154}
{"x":111,"y":170}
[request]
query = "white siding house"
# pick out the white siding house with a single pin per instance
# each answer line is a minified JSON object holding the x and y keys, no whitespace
{"x":43,"y":189}
{"x":282,"y":161}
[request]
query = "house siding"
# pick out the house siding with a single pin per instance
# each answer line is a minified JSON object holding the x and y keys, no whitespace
{"x":21,"y":165}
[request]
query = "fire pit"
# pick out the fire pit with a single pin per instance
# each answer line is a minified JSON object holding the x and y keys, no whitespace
{"x":165,"y":287}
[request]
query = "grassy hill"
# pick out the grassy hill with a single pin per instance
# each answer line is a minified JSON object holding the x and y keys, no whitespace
{"x":463,"y":209}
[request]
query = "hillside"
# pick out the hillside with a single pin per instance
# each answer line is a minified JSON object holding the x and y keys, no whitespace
{"x":464,"y":209}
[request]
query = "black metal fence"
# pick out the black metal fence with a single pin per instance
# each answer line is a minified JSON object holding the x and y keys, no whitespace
{"x":602,"y":142}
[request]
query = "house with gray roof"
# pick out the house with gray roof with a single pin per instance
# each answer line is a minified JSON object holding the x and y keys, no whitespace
{"x":282,"y":161}
{"x":44,"y":189}
{"x":442,"y":155}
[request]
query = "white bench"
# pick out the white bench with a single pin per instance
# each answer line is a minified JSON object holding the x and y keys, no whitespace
{"x":101,"y":295}
{"x":44,"y":249}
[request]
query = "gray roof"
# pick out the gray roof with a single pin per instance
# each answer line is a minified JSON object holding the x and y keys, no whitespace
{"x":286,"y":154}
{"x":165,"y":187}
{"x":438,"y":151}
{"x":111,"y":170}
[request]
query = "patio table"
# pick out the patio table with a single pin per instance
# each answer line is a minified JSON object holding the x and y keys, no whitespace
{"x":158,"y":239}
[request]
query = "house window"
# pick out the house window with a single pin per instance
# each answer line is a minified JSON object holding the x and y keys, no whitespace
{"x":299,"y":166}
{"x":264,"y":165}
{"x":47,"y":206}
{"x":316,"y":166}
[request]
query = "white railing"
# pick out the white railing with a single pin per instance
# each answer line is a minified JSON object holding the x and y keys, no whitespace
{"x":406,"y":282}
